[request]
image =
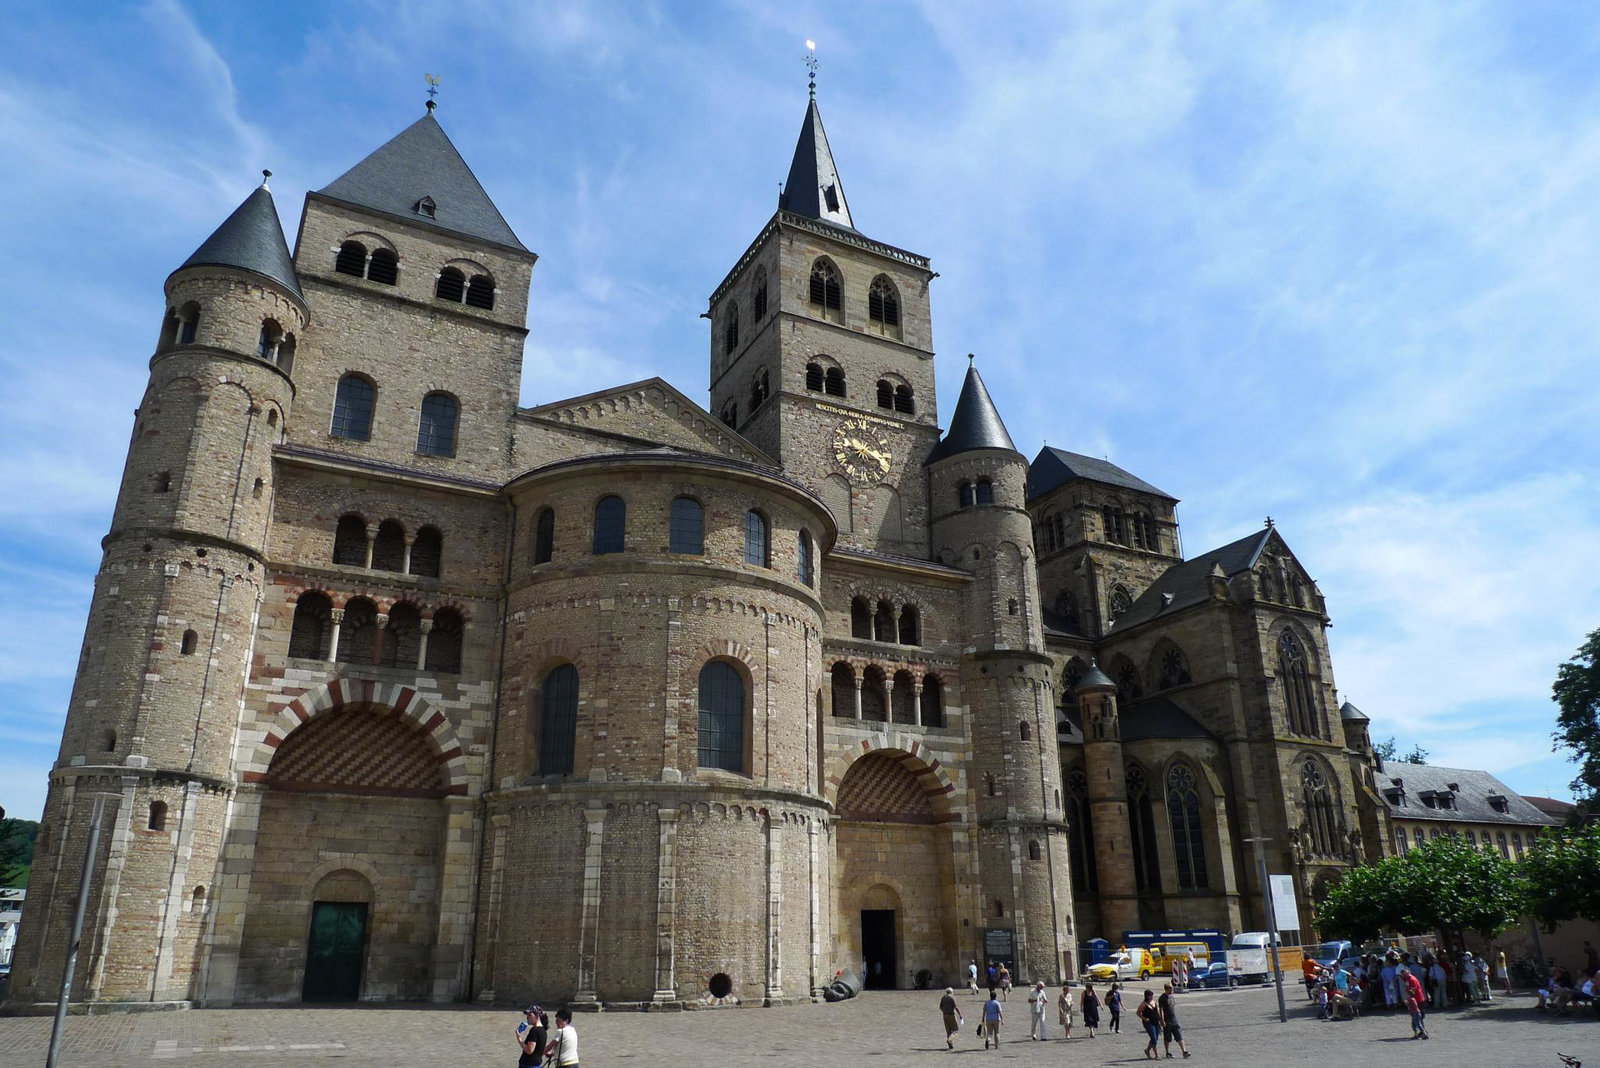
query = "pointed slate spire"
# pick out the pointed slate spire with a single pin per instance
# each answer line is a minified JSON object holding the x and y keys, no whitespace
{"x":251,"y":239}
{"x":976,"y":424}
{"x":813,"y":189}
{"x":1095,"y":679}
{"x":419,"y":176}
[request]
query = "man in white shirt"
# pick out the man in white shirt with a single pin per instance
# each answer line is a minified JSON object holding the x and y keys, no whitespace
{"x":566,"y":1040}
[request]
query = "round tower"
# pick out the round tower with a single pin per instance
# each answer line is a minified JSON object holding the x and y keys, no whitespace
{"x":979,"y":483}
{"x":166,"y":651}
{"x":1108,"y":800}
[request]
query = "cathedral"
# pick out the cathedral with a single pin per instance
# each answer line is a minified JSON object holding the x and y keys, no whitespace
{"x":400,"y":691}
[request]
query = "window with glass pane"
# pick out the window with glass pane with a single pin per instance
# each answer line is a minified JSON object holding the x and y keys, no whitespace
{"x":721,"y":717}
{"x":352,"y":408}
{"x":436,"y":433}
{"x":687,"y":533}
{"x":610,"y":524}
{"x":802,"y":560}
{"x":544,"y":536}
{"x":558,"y":721}
{"x":755,"y":539}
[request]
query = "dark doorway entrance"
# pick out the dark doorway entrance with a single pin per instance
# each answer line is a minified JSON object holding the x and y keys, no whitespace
{"x":877,"y":948}
{"x":335,"y":950}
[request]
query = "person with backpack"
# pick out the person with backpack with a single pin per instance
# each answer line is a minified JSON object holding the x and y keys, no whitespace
{"x":532,"y":1034}
{"x":993,"y":1017}
{"x":1114,"y":1006}
{"x":1415,"y":1001}
{"x":1150,"y":1016}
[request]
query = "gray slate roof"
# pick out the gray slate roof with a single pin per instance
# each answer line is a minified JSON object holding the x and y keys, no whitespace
{"x":976,"y":423}
{"x":420,"y":161}
{"x":812,"y":173}
{"x":1471,"y":799}
{"x":1152,"y":718}
{"x":1056,"y":467}
{"x":251,"y":239}
{"x":1351,"y":714}
{"x":1189,"y":582}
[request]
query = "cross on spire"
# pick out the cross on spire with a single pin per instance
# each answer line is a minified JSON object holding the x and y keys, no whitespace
{"x":433,"y":90}
{"x":812,"y":65}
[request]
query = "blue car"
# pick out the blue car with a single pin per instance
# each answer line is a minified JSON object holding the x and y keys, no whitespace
{"x":1216,"y":975}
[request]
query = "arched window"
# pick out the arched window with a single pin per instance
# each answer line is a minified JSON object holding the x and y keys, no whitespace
{"x":860,"y":618}
{"x":197,"y":900}
{"x":755,"y":540}
{"x":352,"y":259}
{"x":610,"y":525}
{"x":883,"y":623}
{"x":968,"y":495}
{"x":190,"y":640}
{"x":544,"y":536}
{"x":1129,"y":688}
{"x":730,"y":328}
{"x":352,"y":408}
{"x":759,"y":301}
{"x":108,"y":741}
{"x":814,"y":377}
{"x":1080,"y":833}
{"x":833,"y":382}
{"x":874,"y":696}
{"x":904,"y":402}
{"x":480,"y":292}
{"x":885,"y":393}
{"x":1024,"y":731}
{"x":383,"y":267}
{"x":158,"y":816}
{"x":825,"y":288}
{"x":1119,"y":602}
{"x":1317,"y":797}
{"x":908,"y":625}
{"x":451,"y":286}
{"x":389,"y":547}
{"x":985,"y":491}
{"x":1516,"y":843}
{"x":904,"y":698}
{"x":730,"y":413}
{"x":722,"y":705}
{"x":1400,"y":841}
{"x":844,"y":691}
{"x":1174,"y":669}
{"x":686,"y":529}
{"x":444,"y":642}
{"x":268,"y":340}
{"x":1111,"y":522}
{"x":558,"y":720}
{"x":1299,"y":700}
{"x":883,"y":306}
{"x":308,"y":637}
{"x":1188,"y":843}
{"x":991,"y":789}
{"x":1142,"y":831}
{"x":436,"y":430}
{"x":932,"y":701}
{"x":427,"y":552}
{"x":1033,"y":849}
{"x":804,"y":566}
{"x":350,"y":541}
{"x":759,"y":389}
{"x":358,"y":633}
{"x":402,"y":637}
{"x":1070,"y":678}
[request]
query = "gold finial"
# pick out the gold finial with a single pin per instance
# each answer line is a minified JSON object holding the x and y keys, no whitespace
{"x":812,"y":65}
{"x":433,"y":89}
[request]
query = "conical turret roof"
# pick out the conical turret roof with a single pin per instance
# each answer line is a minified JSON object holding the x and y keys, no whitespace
{"x":1095,"y":679}
{"x":420,"y":164}
{"x":251,"y":239}
{"x":813,"y":188}
{"x":976,"y":423}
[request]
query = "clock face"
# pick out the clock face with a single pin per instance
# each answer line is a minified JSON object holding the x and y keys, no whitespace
{"x":861,"y":450}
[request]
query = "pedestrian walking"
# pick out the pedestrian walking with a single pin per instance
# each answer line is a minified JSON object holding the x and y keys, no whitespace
{"x":1091,"y":1010}
{"x":952,"y":1017}
{"x":1064,"y":1011}
{"x":1038,"y":1002}
{"x":1416,"y":1001}
{"x":1171,"y":1031}
{"x":566,"y":1040}
{"x":1005,"y":982}
{"x":1500,"y":966}
{"x":1150,"y":1018}
{"x":972,"y":975}
{"x":532,"y":1034}
{"x":1114,"y":1007}
{"x":993,"y":1017}
{"x":992,"y":978}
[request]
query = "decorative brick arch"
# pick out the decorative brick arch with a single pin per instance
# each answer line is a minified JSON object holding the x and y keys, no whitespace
{"x":724,"y":649}
{"x":543,"y":656}
{"x":403,"y":701}
{"x":915,"y":758}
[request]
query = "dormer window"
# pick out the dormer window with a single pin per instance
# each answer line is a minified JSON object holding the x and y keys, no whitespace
{"x":1499,"y":802}
{"x":426,"y":207}
{"x":830,"y":196}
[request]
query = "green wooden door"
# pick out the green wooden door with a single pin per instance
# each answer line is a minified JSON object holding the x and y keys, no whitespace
{"x":333,"y":955}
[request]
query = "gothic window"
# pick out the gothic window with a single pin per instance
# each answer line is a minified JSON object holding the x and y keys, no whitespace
{"x":1119,"y":602}
{"x":383,"y":267}
{"x":804,"y":567}
{"x":1115,"y":525}
{"x":451,"y":286}
{"x":308,"y":637}
{"x":883,"y":623}
{"x":730,"y":329}
{"x":610,"y":524}
{"x":158,"y":816}
{"x":883,"y":306}
{"x":833,"y":382}
{"x":1069,"y":683}
{"x":1060,"y":530}
{"x":874,"y":701}
{"x":1129,"y":689}
{"x":544,"y":536}
{"x":755,"y":540}
{"x":759,"y":389}
{"x":351,"y":259}
{"x":444,"y":642}
{"x":1152,"y":539}
{"x":1067,"y":609}
{"x":687,"y":528}
{"x":814,"y":377}
{"x":1142,"y":831}
{"x":885,"y":393}
{"x":844,"y":691}
{"x":1472,"y":840}
{"x":436,"y":430}
{"x":908,"y":624}
{"x":352,"y":408}
{"x":389,"y":547}
{"x":759,"y":311}
{"x":1317,"y":797}
{"x":358,"y":633}
{"x":1174,"y":669}
{"x":904,"y":402}
{"x":825,"y":288}
{"x":722,"y":707}
{"x":1183,"y":812}
{"x":480,"y":292}
{"x":932,"y":701}
{"x":968,"y":495}
{"x":985,"y":491}
{"x":427,"y":552}
{"x":1516,"y":843}
{"x":1049,"y":536}
{"x":558,"y":720}
{"x":904,"y":698}
{"x":1400,"y":840}
{"x":730,"y":413}
{"x":860,"y":618}
{"x":1299,"y":700}
{"x":1080,"y":833}
{"x":402,"y":637}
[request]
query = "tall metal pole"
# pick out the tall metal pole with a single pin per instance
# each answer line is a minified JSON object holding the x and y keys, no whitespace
{"x":1272,"y":923}
{"x":93,"y":847}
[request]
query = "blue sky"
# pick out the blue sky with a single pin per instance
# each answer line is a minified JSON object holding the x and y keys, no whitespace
{"x":1331,"y":263}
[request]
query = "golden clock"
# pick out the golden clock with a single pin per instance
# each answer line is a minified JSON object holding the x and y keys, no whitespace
{"x":861,"y":450}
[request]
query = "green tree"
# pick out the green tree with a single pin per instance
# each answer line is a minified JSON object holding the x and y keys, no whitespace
{"x":1445,"y":886}
{"x":16,"y":850}
{"x":1418,"y":755}
{"x":1563,"y":873}
{"x":1387,"y":749}
{"x":1577,"y":694}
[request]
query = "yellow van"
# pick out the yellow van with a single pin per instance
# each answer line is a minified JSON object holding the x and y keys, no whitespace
{"x":1162,"y":953}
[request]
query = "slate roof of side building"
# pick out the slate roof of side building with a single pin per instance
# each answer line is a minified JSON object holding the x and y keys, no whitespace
{"x":1471,"y":798}
{"x":1056,"y":467}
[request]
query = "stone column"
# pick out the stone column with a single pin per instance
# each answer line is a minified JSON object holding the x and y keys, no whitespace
{"x":916,"y":701}
{"x":666,"y":906}
{"x":816,"y":910}
{"x":589,"y":929}
{"x":97,"y":941}
{"x":172,"y":906}
{"x":337,"y":615}
{"x":405,"y":563}
{"x":859,"y":679}
{"x":455,"y":899}
{"x":372,"y":540}
{"x":490,"y":921}
{"x":774,"y":908}
{"x":379,"y":639}
{"x":232,"y":897}
{"x":423,"y":627}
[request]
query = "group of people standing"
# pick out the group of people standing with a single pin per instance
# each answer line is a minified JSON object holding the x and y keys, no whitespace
{"x":1158,"y":1015}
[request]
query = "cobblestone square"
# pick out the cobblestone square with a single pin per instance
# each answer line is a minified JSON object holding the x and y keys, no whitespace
{"x":886,"y":1029}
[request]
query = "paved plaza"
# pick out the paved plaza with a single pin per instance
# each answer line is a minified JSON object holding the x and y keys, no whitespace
{"x":882,"y":1029}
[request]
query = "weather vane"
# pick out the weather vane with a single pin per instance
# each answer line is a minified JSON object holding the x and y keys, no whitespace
{"x":812,"y":65}
{"x":433,"y":89}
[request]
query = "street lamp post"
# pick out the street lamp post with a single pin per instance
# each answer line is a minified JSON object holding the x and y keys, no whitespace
{"x":1272,"y":922}
{"x":91,"y":847}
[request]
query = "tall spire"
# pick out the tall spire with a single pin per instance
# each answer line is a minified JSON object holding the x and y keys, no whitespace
{"x":251,"y":239}
{"x":813,"y":189}
{"x":976,"y":423}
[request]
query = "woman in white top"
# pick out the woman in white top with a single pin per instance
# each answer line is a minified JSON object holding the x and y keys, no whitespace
{"x":566,"y":1040}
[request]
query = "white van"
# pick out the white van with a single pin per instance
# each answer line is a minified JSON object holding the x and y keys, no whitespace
{"x":1249,"y":957}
